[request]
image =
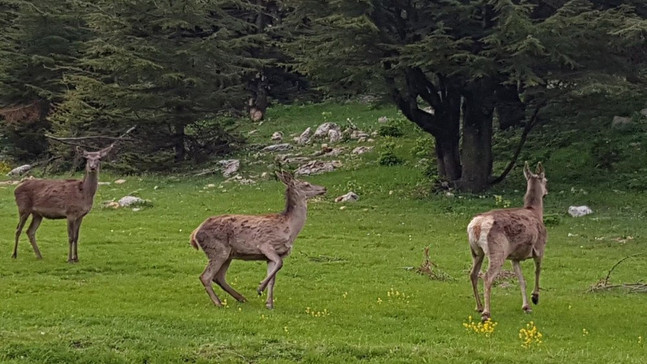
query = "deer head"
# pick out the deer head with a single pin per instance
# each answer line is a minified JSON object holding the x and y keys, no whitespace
{"x":301,"y":188}
{"x":93,"y":159}
{"x":536,"y":180}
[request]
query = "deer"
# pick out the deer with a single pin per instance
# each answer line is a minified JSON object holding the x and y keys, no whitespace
{"x":514,"y":234}
{"x":269,"y":237}
{"x":69,"y":199}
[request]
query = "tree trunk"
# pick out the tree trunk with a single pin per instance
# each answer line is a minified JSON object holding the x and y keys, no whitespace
{"x":509,"y":107}
{"x":178,"y":142}
{"x":476,"y":156}
{"x":448,"y":158}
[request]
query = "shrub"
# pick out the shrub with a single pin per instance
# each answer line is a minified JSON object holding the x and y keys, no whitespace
{"x":388,"y":157}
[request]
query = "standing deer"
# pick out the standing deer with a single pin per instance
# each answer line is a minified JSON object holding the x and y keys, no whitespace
{"x":252,"y":237}
{"x":515,"y":234}
{"x":69,"y":199}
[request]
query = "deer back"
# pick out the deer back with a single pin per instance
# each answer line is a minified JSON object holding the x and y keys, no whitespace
{"x":54,"y":199}
{"x":517,"y":233}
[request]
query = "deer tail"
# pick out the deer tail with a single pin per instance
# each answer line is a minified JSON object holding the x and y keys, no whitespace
{"x":194,"y":240}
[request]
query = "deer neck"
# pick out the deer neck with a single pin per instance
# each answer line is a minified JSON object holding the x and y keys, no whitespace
{"x":295,"y":210}
{"x":533,"y":200}
{"x":90,"y":183}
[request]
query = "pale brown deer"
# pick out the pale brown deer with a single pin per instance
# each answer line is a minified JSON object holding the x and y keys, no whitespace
{"x":253,"y":237}
{"x":69,"y":199}
{"x":515,"y":234}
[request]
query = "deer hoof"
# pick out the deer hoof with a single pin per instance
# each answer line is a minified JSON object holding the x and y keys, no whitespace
{"x":526,"y":309}
{"x":479,"y":309}
{"x":485,"y":316}
{"x":270,"y":306}
{"x":535,"y":298}
{"x":14,"y":256}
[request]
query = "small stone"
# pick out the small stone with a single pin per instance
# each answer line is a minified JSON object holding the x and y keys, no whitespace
{"x":577,"y":211}
{"x":382,"y":120}
{"x":277,"y":136}
{"x":19,"y":170}
{"x":120,"y":181}
{"x":362,"y":150}
{"x":349,"y":197}
{"x":621,"y":122}
{"x":277,"y":147}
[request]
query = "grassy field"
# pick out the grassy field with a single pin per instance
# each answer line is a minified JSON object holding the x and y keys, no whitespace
{"x":349,"y":291}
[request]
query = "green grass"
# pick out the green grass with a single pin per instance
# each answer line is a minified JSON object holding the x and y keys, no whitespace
{"x":135,"y":294}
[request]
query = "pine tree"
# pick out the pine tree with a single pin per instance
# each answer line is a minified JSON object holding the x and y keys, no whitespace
{"x":39,"y":42}
{"x":166,"y":66}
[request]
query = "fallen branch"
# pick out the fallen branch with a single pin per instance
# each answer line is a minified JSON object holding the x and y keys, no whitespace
{"x":431,"y":270}
{"x":603,"y":284}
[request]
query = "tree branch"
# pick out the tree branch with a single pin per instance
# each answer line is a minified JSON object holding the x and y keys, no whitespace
{"x":72,"y":140}
{"x":524,"y":136}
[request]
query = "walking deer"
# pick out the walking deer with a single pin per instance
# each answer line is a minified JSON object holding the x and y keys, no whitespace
{"x":69,"y":199}
{"x":515,"y":234}
{"x":253,"y":237}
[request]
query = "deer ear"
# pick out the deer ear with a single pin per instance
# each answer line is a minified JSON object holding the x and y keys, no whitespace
{"x":540,"y":170}
{"x":526,"y":171}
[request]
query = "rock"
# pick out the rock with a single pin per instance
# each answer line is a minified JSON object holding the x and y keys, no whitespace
{"x":577,"y":211}
{"x":112,"y":205}
{"x":382,"y":120}
{"x":264,"y":175}
{"x":349,"y":197}
{"x":322,"y":130}
{"x":277,"y":147}
{"x":277,"y":136}
{"x":334,"y":136}
{"x":19,"y":170}
{"x":643,"y":112}
{"x":291,"y":158}
{"x":362,"y":150}
{"x":621,"y":122}
{"x":120,"y":181}
{"x":317,"y":167}
{"x":240,"y":179}
{"x":304,"y":137}
{"x":131,"y":200}
{"x":229,"y":167}
{"x":357,"y":134}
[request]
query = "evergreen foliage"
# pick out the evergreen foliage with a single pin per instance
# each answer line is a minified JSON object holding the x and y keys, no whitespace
{"x":164,"y":66}
{"x":39,"y":41}
{"x":466,"y":59}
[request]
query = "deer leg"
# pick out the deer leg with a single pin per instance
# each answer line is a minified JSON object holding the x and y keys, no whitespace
{"x":494,"y":267}
{"x":220,"y":280}
{"x":522,"y":284}
{"x":31,"y":233}
{"x":21,"y":223}
{"x":77,"y":227}
{"x":269,"y":303}
{"x":477,"y":261}
{"x":208,"y":275}
{"x":71,"y":229}
{"x":271,"y":255}
{"x":535,"y":292}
